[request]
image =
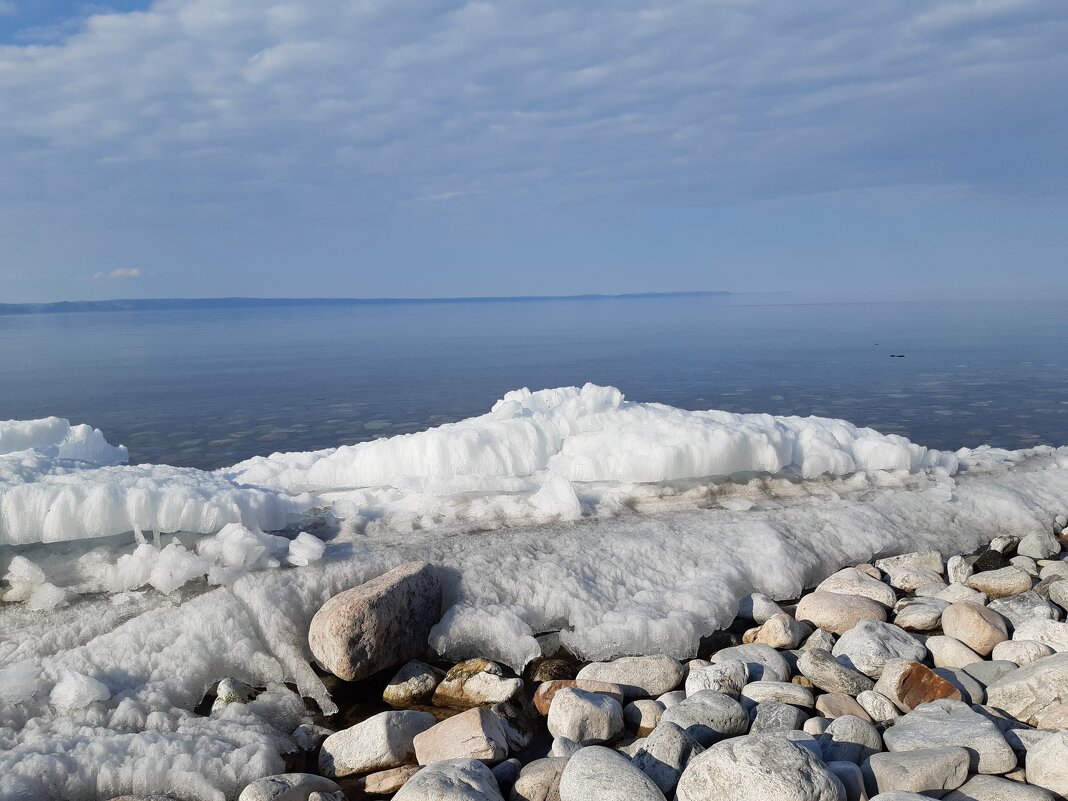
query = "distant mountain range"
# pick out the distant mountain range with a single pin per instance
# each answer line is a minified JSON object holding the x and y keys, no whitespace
{"x":168,"y":304}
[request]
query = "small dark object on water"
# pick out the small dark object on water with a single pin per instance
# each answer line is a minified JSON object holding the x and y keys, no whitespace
{"x":897,"y":355}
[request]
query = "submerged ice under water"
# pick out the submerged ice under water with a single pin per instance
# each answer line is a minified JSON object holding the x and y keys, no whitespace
{"x":629,"y":528}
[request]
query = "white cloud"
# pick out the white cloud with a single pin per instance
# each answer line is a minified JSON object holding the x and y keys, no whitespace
{"x":119,"y":273}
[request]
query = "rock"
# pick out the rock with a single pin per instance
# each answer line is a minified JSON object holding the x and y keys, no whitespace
{"x":668,"y":700}
{"x":587,"y":718}
{"x":507,"y":772}
{"x":601,"y":773}
{"x":930,"y":560}
{"x":950,"y":652}
{"x":708,"y":716}
{"x":780,"y":631}
{"x":952,"y":723}
{"x":919,"y":614}
{"x":381,"y":623}
{"x":758,"y":607}
{"x":994,"y":788}
{"x":451,"y":780}
{"x":1047,"y":763}
{"x":664,"y":756}
{"x":850,"y":739}
{"x":816,"y":726}
{"x":909,"y":578}
{"x":819,"y":639}
{"x":309,"y":736}
{"x":837,"y":612}
{"x":958,"y":569}
{"x":989,"y":560}
{"x":771,"y":716}
{"x":474,"y":734}
{"x":291,"y":787}
{"x":563,"y":747}
{"x":639,"y":676}
{"x":1026,"y":564}
{"x":836,"y":705}
{"x":642,"y":716}
{"x":1001,"y":583}
{"x":1004,"y":544}
{"x":978,"y":627}
{"x":1051,"y":574}
{"x":1027,"y":692}
{"x":830,"y":675}
{"x":1048,"y":632}
{"x":871,"y":644}
{"x":762,"y":662}
{"x":413,"y":685}
{"x":879,"y":708}
{"x":552,"y":669}
{"x":1039,"y":545}
{"x":382,"y":741}
{"x":475,"y":682}
{"x":539,"y":780}
{"x":852,"y":780}
{"x":971,"y":691}
{"x":519,"y":720}
{"x":232,"y":691}
{"x":757,"y":768}
{"x":783,"y":692}
{"x":960,"y":592}
{"x":986,"y":673}
{"x":1054,"y":717}
{"x":543,"y":696}
{"x":1022,"y":652}
{"x":851,"y":581}
{"x":909,"y":684}
{"x":1058,"y":590}
{"x":727,"y":677}
{"x":629,"y":748}
{"x":931,"y":771}
{"x":388,"y":782}
{"x":1018,"y":608}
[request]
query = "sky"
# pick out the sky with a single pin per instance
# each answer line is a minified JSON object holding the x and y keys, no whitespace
{"x":370,"y":148}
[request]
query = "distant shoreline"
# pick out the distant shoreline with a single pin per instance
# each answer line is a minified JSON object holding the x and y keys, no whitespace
{"x":170,"y":304}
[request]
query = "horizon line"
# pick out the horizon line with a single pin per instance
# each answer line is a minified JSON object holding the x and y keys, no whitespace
{"x":161,"y":304}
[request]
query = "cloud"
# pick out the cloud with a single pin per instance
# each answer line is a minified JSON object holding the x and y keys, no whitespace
{"x":7,"y":8}
{"x":119,"y":273}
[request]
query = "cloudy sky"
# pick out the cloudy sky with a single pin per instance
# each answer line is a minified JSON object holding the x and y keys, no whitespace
{"x":429,"y":148}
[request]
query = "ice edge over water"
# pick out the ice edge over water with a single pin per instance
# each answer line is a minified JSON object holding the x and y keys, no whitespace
{"x":530,"y":512}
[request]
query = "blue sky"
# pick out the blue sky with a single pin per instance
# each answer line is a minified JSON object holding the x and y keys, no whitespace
{"x":428,"y":148}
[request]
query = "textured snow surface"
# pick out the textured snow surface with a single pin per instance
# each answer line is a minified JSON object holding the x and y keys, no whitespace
{"x":566,"y":510}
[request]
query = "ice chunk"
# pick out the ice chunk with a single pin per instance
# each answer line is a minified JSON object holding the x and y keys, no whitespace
{"x":47,"y":596}
{"x":75,"y":690}
{"x":56,"y":437}
{"x":19,"y":682}
{"x":24,"y":577}
{"x":305,"y":549}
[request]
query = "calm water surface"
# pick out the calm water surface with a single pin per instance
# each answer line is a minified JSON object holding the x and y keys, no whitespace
{"x":207,"y":388}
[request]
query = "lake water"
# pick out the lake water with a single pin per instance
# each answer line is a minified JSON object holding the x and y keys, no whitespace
{"x":207,"y":388}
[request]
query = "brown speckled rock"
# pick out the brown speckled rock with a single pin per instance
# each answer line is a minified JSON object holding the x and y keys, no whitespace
{"x":379,"y":624}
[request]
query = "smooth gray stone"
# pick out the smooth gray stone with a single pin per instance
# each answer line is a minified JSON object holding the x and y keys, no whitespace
{"x":1027,"y":692}
{"x":852,"y":779}
{"x":971,"y":691}
{"x":952,"y":723}
{"x":639,"y":676}
{"x":708,"y":716}
{"x":727,"y":676}
{"x":757,"y":768}
{"x":869,"y":645}
{"x":764,"y":663}
{"x":451,"y":780}
{"x":770,"y":716}
{"x":665,"y":754}
{"x":928,"y":770}
{"x":601,"y":773}
{"x":784,"y":692}
{"x":850,"y":739}
{"x":1018,"y":608}
{"x":291,"y":787}
{"x":994,"y":788}
{"x":539,"y":780}
{"x":986,"y":673}
{"x":822,"y":669}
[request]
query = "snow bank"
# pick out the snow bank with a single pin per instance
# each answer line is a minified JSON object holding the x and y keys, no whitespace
{"x":592,"y":434}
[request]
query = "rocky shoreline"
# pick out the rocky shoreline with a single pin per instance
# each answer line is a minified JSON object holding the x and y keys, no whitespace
{"x":914,"y":677}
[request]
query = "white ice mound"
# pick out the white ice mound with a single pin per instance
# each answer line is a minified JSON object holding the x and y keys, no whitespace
{"x":57,"y":438}
{"x":593,"y":435}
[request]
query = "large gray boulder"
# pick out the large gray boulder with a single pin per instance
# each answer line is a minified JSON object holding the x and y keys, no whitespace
{"x":756,"y":768}
{"x":1047,"y":763}
{"x":763,"y":663}
{"x":287,"y":787}
{"x":379,"y":624}
{"x":603,"y":774}
{"x":994,"y":788}
{"x":474,"y":734}
{"x":639,"y":676}
{"x":870,"y":645}
{"x":451,"y":780}
{"x":930,"y":771}
{"x":382,"y":741}
{"x":822,"y":669}
{"x":849,"y":739}
{"x":665,"y":754}
{"x":952,"y":723}
{"x":1027,"y":692}
{"x":708,"y":716}
{"x":539,"y":780}
{"x":587,"y":718}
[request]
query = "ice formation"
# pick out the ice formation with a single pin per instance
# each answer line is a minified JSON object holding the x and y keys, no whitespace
{"x":627,"y":527}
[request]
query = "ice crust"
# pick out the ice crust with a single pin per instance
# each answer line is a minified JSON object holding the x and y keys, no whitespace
{"x":571,"y":510}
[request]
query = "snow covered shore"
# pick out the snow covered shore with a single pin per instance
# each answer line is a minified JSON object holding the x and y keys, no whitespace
{"x":628,"y":528}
